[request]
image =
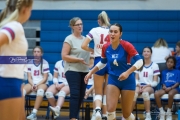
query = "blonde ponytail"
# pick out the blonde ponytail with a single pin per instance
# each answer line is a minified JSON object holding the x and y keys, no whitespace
{"x":104,"y":18}
{"x":12,"y":17}
{"x":13,"y":7}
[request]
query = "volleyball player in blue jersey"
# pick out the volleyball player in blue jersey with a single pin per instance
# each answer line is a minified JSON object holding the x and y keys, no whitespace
{"x":117,"y":54}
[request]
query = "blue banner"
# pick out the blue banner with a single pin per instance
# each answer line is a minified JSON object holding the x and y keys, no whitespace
{"x":19,"y":59}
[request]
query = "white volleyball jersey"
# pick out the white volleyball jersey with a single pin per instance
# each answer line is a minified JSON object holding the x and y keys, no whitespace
{"x":17,"y":46}
{"x":100,"y":35}
{"x":59,"y":68}
{"x":36,"y":72}
{"x":147,"y":73}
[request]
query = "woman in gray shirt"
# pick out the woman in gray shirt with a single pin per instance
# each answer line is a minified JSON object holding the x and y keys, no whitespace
{"x":76,"y":65}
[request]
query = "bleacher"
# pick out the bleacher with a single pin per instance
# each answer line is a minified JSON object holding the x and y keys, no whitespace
{"x":141,"y":28}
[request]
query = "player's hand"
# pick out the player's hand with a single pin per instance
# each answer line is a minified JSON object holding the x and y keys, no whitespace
{"x":34,"y":87}
{"x":123,"y":76}
{"x":59,"y":86}
{"x":164,"y":87}
{"x":143,"y":87}
{"x":86,"y":94}
{"x":167,"y":89}
{"x":81,"y":60}
{"x":87,"y":77}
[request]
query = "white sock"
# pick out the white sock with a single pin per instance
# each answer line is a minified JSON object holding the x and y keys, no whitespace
{"x":58,"y":108}
{"x":98,"y":108}
{"x":161,"y":109}
{"x":24,"y":92}
{"x":168,"y":110}
{"x":104,"y":115}
{"x":34,"y":111}
{"x":148,"y":114}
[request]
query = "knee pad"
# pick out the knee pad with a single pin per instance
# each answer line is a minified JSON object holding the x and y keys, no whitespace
{"x":40,"y":92}
{"x":111,"y":115}
{"x":98,"y":97}
{"x":49,"y":95}
{"x":135,"y":96}
{"x":61,"y":94}
{"x":145,"y":96}
{"x":24,"y":92}
{"x":104,"y":99}
{"x":131,"y":117}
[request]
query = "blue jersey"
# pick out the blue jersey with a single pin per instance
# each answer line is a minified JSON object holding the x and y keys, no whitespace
{"x":170,"y":77}
{"x":119,"y":59}
{"x":177,"y":62}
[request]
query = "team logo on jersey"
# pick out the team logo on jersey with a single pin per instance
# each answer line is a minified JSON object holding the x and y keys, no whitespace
{"x":114,"y":55}
{"x":36,"y":72}
{"x":168,"y":75}
{"x":115,"y":62}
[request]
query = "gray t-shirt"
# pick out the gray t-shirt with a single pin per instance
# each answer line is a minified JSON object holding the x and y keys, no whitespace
{"x":77,"y":52}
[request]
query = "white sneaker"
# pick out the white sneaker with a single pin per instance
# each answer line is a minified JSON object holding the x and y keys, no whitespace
{"x":168,"y":116}
{"x":148,"y":116}
{"x":93,"y":115}
{"x":162,"y":115}
{"x":98,"y":114}
{"x":32,"y":116}
{"x":55,"y":111}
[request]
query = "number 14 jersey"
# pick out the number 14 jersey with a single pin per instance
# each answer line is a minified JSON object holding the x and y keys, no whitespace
{"x":100,"y":35}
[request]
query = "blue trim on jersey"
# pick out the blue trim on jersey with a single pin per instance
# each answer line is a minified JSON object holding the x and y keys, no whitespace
{"x":10,"y":88}
{"x":149,"y":65}
{"x":37,"y":64}
{"x":137,"y":57}
{"x":88,"y":87}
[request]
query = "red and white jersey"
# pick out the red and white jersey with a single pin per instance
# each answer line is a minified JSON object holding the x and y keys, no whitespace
{"x":59,"y":68}
{"x":17,"y":46}
{"x":100,"y":35}
{"x":36,"y":72}
{"x":147,"y":73}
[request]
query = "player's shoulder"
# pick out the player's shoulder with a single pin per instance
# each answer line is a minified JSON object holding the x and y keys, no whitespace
{"x":124,"y":43}
{"x":45,"y":62}
{"x":13,"y":25}
{"x":154,"y":64}
{"x":106,"y":45}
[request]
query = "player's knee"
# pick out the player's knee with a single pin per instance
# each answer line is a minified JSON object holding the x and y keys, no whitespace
{"x":98,"y":97}
{"x":62,"y":94}
{"x":104,"y":99}
{"x":40,"y":92}
{"x":49,"y":95}
{"x":135,"y":96}
{"x":24,"y":92}
{"x":111,"y":115}
{"x":131,"y":117}
{"x":145,"y":96}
